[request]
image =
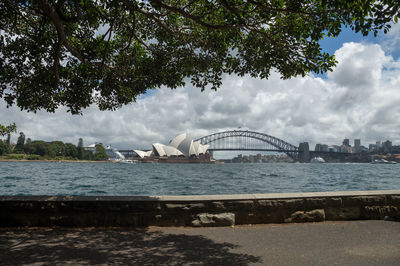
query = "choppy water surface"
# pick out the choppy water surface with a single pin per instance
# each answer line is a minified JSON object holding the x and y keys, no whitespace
{"x":42,"y":178}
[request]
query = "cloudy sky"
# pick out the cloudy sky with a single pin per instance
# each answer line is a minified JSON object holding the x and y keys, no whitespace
{"x":359,"y":99}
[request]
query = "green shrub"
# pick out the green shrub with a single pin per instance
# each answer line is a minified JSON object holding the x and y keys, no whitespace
{"x":14,"y":156}
{"x":69,"y":158}
{"x":33,"y":157}
{"x":4,"y":148}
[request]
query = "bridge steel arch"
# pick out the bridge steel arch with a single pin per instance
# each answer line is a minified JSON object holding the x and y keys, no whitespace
{"x":278,"y":144}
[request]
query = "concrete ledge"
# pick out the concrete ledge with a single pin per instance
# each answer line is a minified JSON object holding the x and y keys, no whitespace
{"x":204,"y":210}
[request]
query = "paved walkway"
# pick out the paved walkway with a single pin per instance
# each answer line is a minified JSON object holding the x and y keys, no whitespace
{"x":329,"y":243}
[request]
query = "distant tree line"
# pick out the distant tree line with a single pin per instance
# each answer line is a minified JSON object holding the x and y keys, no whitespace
{"x":38,"y":149}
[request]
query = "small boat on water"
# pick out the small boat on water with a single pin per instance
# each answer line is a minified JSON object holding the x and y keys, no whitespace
{"x":382,"y":161}
{"x":127,"y":161}
{"x":124,"y":161}
{"x":317,"y":160}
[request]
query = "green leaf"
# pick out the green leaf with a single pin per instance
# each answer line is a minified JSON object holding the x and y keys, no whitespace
{"x":113,"y":51}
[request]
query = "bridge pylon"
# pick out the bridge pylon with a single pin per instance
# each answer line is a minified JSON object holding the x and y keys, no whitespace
{"x":304,"y":152}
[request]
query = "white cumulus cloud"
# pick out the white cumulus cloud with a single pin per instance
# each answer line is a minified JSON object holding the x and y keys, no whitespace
{"x":359,"y":99}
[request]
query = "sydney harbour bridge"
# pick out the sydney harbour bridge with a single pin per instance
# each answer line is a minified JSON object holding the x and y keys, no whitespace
{"x":245,"y":140}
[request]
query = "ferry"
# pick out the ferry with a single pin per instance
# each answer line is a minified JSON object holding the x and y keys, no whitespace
{"x":382,"y":161}
{"x":317,"y":160}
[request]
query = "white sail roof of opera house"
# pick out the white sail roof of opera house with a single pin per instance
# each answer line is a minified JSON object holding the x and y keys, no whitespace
{"x":143,"y":154}
{"x":181,"y":145}
{"x":177,"y":140}
{"x":184,"y":143}
{"x":203,"y":148}
{"x":158,"y":149}
{"x":162,"y":150}
{"x":172,"y":151}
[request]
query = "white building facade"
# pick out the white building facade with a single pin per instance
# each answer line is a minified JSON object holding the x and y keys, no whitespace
{"x":180,"y":146}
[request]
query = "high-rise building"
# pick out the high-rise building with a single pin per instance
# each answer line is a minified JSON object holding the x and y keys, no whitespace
{"x":344,"y":148}
{"x":321,"y":147}
{"x":387,"y":146}
{"x":372,"y":147}
{"x":357,"y":144}
{"x":324,"y":147}
{"x":346,"y":142}
{"x":318,"y":147}
{"x":378,"y":145}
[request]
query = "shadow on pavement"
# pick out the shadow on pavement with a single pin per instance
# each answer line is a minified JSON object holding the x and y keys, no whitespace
{"x":112,"y":246}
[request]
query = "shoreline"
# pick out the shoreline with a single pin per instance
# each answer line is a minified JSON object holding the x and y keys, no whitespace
{"x":214,"y":162}
{"x":53,"y":161}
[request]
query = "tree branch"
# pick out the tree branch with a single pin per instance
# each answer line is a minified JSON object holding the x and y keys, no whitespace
{"x":17,"y":8}
{"x":53,"y":15}
{"x":153,"y":17}
{"x":59,"y":10}
{"x":194,"y":18}
{"x":270,"y":8}
{"x":233,"y":10}
{"x":56,"y":64}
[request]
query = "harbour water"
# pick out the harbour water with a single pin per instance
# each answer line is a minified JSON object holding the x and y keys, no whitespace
{"x":52,"y":178}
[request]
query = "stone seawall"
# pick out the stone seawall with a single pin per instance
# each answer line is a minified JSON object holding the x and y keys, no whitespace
{"x":209,"y":210}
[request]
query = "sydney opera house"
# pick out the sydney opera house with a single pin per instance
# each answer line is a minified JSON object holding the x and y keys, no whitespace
{"x":182,"y":148}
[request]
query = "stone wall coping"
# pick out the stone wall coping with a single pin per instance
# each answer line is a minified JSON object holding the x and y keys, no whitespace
{"x":278,"y":195}
{"x":196,"y":198}
{"x":329,"y":194}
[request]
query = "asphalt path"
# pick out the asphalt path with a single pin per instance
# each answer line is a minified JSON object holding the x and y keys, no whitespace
{"x":328,"y":243}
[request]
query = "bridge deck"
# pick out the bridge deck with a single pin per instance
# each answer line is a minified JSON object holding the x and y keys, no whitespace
{"x":249,"y":149}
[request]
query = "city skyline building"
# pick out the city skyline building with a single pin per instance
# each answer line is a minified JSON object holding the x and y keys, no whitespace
{"x":346,"y":142}
{"x":378,"y":144}
{"x":379,"y":147}
{"x":357,"y":144}
{"x":387,"y":146}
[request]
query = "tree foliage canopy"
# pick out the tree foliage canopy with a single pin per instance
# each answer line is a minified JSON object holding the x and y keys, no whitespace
{"x":20,"y":142}
{"x":40,"y":147}
{"x":6,"y":130}
{"x":100,"y":153}
{"x":75,"y":53}
{"x":4,"y":147}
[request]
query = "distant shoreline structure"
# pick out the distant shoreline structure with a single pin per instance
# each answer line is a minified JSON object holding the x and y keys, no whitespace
{"x":204,"y":158}
{"x":53,"y":161}
{"x":181,"y":149}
